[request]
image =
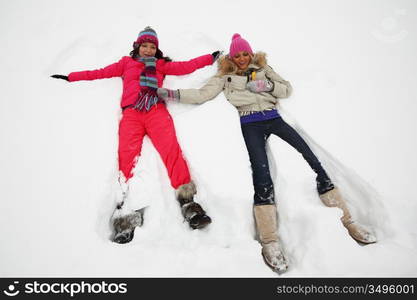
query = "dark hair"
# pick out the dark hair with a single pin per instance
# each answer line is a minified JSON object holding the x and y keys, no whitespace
{"x":159,"y":55}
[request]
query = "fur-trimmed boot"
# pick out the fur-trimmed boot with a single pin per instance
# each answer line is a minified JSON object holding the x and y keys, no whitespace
{"x":192,"y":211}
{"x":124,"y":227}
{"x":266,"y":221}
{"x":333,"y":198}
{"x":124,"y":221}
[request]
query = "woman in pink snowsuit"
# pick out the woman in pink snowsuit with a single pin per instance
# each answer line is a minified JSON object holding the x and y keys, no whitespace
{"x":145,"y":114}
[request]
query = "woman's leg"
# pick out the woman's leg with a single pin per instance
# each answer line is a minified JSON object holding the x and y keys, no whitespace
{"x":329,"y":195}
{"x":264,"y":209}
{"x":255,"y":138}
{"x":131,"y":133}
{"x":287,"y":133}
{"x":161,"y":130}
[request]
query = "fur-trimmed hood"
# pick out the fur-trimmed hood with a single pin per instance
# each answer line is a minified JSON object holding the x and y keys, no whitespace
{"x":226,"y":66}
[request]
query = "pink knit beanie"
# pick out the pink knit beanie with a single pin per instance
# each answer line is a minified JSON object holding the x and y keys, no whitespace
{"x":239,"y":44}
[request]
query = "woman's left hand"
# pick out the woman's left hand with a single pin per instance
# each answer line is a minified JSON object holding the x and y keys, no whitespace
{"x":259,"y":86}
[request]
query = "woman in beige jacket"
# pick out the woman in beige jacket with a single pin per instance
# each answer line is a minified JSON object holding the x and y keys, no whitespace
{"x":254,"y":88}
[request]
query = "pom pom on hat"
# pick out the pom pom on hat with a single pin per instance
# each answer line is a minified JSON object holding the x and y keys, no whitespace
{"x":239,"y":44}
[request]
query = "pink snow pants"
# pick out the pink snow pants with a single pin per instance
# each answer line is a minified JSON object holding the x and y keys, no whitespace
{"x":159,"y":126}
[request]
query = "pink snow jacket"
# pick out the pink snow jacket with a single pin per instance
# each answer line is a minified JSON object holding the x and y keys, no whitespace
{"x":130,"y":69}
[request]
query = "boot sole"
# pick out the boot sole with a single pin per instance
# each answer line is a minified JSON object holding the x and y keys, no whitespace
{"x":201,"y":225}
{"x":359,"y":238}
{"x":275,"y":269}
{"x":122,"y":239}
{"x":361,"y":241}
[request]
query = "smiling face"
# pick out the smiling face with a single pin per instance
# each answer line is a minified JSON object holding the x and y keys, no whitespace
{"x":242,"y":60}
{"x":147,"y":49}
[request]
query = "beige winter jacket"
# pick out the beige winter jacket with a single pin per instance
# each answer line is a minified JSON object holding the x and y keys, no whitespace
{"x":233,"y":84}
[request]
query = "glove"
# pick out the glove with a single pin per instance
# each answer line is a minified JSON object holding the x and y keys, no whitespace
{"x":259,"y":86}
{"x":216,"y":55}
{"x":168,"y":95}
{"x":64,"y":77}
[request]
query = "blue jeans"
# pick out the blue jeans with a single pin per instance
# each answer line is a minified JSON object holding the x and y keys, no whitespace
{"x":256,"y":135}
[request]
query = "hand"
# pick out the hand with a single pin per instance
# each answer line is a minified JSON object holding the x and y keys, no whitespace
{"x":64,"y":77}
{"x":216,"y":55}
{"x":259,"y":86}
{"x":168,"y":95}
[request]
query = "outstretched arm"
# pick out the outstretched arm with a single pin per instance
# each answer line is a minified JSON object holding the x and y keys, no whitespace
{"x":208,"y":92}
{"x":113,"y":70}
{"x":187,"y":67}
{"x":194,"y":96}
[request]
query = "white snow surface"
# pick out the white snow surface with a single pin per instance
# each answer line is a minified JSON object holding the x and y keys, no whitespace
{"x":353,"y":68}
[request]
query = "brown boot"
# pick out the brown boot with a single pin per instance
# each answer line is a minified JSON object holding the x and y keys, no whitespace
{"x":333,"y":198}
{"x":267,"y":229}
{"x":192,"y":211}
{"x":124,"y":226}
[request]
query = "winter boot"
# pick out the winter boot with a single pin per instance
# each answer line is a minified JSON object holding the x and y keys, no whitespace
{"x":333,"y":198}
{"x":124,"y":226}
{"x":267,"y":227}
{"x":192,"y":211}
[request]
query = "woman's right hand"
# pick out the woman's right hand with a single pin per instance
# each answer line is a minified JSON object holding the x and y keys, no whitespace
{"x":64,"y":77}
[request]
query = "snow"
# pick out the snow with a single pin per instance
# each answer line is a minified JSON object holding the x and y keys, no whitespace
{"x":352,"y":65}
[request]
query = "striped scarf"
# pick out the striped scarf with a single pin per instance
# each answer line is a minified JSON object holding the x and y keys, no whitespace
{"x":148,"y":85}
